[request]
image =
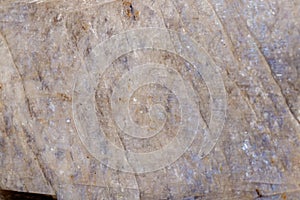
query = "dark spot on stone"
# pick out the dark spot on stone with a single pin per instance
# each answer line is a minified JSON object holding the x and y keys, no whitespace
{"x":88,"y":50}
{"x":8,"y":121}
{"x":60,"y":154}
{"x":167,"y":108}
{"x":109,"y":32}
{"x":58,"y":18}
{"x":258,"y":193}
{"x":2,"y":143}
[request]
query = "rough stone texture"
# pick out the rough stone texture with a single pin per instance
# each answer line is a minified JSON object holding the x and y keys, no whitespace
{"x":66,"y":67}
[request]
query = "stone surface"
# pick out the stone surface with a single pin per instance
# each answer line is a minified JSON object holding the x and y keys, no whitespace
{"x":150,"y":99}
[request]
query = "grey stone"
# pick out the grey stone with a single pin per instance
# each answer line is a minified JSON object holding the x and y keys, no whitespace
{"x":150,"y":99}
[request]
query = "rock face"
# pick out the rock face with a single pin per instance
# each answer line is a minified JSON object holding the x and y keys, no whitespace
{"x":150,"y":99}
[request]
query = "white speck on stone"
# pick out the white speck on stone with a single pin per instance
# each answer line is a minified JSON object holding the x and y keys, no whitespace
{"x":52,"y":106}
{"x":59,"y":17}
{"x":247,"y":174}
{"x":51,"y":123}
{"x":176,"y":173}
{"x":245,"y":145}
{"x":134,"y":99}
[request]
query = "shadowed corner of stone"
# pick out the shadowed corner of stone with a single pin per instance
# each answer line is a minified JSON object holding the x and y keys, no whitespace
{"x":14,"y":195}
{"x":192,"y":198}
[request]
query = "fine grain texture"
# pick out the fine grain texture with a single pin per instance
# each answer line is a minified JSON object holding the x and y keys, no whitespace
{"x":170,"y":99}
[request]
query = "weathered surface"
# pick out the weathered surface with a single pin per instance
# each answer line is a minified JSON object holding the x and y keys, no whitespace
{"x":150,"y":99}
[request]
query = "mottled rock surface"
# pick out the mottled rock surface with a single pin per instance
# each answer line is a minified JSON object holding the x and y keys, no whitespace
{"x":171,"y":99}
